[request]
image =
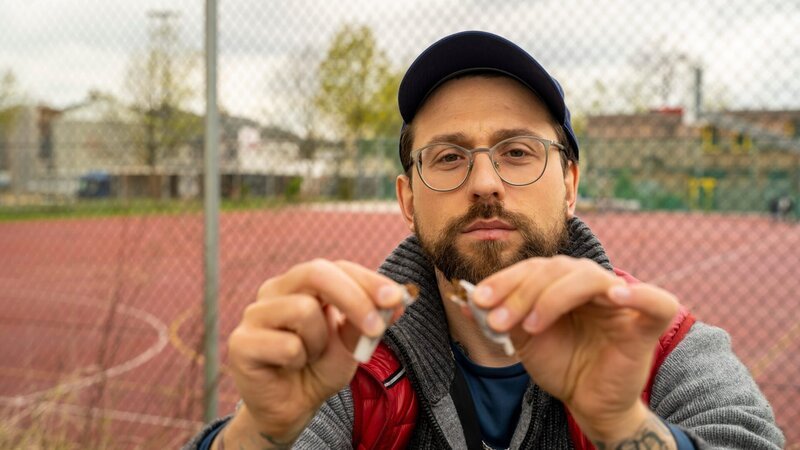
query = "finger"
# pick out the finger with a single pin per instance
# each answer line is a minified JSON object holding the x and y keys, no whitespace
{"x":342,"y":337}
{"x":497,"y":287}
{"x":383,"y":289}
{"x":256,"y":348}
{"x":658,"y":307}
{"x":301,"y":314}
{"x":519,"y":302}
{"x":346,"y":334}
{"x":337,"y":364}
{"x":574,"y":289}
{"x":328,"y":282}
{"x":342,"y":332}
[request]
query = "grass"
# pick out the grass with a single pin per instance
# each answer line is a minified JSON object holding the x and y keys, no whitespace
{"x":42,"y":426}
{"x":130,"y":207}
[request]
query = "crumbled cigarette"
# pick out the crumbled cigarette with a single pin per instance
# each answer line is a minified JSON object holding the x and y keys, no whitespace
{"x":366,"y":345}
{"x":462,"y":294}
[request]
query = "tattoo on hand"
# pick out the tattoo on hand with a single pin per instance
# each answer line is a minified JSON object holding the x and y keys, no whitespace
{"x":652,"y":435}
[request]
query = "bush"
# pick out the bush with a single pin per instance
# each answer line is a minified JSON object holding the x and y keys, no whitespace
{"x":292,"y":190}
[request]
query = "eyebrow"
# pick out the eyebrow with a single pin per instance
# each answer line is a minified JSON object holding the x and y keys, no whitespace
{"x":462,"y":140}
{"x":501,"y":135}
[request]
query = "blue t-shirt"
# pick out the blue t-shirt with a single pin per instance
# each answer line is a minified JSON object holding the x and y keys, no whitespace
{"x":497,"y":395}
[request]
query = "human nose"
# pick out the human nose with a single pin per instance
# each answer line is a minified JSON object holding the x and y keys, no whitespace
{"x":484,"y":181}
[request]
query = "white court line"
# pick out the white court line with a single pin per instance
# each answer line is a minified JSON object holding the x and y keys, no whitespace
{"x":142,"y":358}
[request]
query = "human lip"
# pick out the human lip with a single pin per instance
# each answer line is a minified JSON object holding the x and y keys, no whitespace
{"x":495,"y":224}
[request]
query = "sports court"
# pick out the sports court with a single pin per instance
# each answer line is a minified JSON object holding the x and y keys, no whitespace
{"x":102,"y":326}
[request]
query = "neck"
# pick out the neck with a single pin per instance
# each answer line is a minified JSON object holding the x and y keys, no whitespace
{"x":466,"y":333}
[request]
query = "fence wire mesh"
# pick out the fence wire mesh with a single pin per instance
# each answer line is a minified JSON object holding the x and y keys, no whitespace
{"x":688,"y":115}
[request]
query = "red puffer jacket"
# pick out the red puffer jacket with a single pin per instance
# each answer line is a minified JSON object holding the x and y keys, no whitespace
{"x":385,"y":404}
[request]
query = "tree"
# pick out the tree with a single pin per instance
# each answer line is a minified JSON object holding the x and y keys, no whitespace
{"x":357,"y":85}
{"x":357,"y":90}
{"x":303,"y":112}
{"x":158,"y":81}
{"x":9,"y":100}
{"x":10,"y":104}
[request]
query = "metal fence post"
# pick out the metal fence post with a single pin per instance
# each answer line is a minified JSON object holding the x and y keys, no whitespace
{"x":211,"y":206}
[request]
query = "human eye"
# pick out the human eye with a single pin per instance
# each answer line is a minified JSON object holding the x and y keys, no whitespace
{"x":518,"y":152}
{"x":446,"y":157}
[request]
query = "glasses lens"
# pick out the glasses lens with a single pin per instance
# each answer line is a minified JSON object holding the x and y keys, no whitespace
{"x":443,"y":167}
{"x":520,"y":160}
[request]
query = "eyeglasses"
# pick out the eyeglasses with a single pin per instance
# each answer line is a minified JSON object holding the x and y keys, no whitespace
{"x":518,"y":161}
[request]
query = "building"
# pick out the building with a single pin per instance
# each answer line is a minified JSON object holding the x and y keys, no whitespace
{"x":731,"y":160}
{"x":56,"y":154}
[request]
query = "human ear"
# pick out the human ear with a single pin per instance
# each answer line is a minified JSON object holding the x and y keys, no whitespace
{"x":405,"y":197}
{"x":572,"y":178}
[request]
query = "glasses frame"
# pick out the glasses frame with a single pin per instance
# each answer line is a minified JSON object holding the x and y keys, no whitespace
{"x":490,"y":152}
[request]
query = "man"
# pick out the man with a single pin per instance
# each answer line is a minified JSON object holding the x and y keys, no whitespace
{"x":489,"y":195}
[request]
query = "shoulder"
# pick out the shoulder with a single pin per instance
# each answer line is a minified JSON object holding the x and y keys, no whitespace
{"x":703,"y":387}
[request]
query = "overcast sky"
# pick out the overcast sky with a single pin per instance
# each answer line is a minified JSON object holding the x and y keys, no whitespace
{"x":749,"y":49}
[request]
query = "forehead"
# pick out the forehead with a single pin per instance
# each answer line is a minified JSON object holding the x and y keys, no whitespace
{"x":480,"y":105}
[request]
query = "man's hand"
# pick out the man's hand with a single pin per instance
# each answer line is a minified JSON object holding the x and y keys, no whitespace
{"x":585,"y":336}
{"x":293,"y":347}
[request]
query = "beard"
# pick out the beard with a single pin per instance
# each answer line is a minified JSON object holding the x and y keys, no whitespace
{"x":487,"y":256}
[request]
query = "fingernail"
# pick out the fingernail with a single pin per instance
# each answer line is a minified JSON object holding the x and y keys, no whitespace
{"x":499,"y":317}
{"x":387,"y":293}
{"x":620,"y":293}
{"x":483,"y":295}
{"x":373,"y":324}
{"x":531,"y":322}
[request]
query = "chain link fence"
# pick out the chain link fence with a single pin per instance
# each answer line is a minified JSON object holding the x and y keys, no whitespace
{"x":688,"y":114}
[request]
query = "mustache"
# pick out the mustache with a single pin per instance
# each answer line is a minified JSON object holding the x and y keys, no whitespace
{"x":487,"y":210}
{"x":489,"y":259}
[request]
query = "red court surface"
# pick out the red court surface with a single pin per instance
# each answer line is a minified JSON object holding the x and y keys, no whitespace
{"x":100,"y":318}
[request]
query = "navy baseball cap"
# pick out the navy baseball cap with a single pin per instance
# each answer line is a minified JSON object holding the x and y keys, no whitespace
{"x":479,"y":51}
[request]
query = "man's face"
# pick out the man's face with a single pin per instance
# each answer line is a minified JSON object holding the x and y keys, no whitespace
{"x":486,"y":224}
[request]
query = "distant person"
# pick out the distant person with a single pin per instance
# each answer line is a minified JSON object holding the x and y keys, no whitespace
{"x":488,"y":193}
{"x":782,"y":208}
{"x":785,"y":208}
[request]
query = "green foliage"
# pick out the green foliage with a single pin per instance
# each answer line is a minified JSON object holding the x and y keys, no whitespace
{"x":357,"y":86}
{"x":649,"y":194}
{"x":292,"y":190}
{"x":126,"y":208}
{"x":623,"y":185}
{"x":346,"y":188}
{"x":660,"y":200}
{"x":668,"y":201}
